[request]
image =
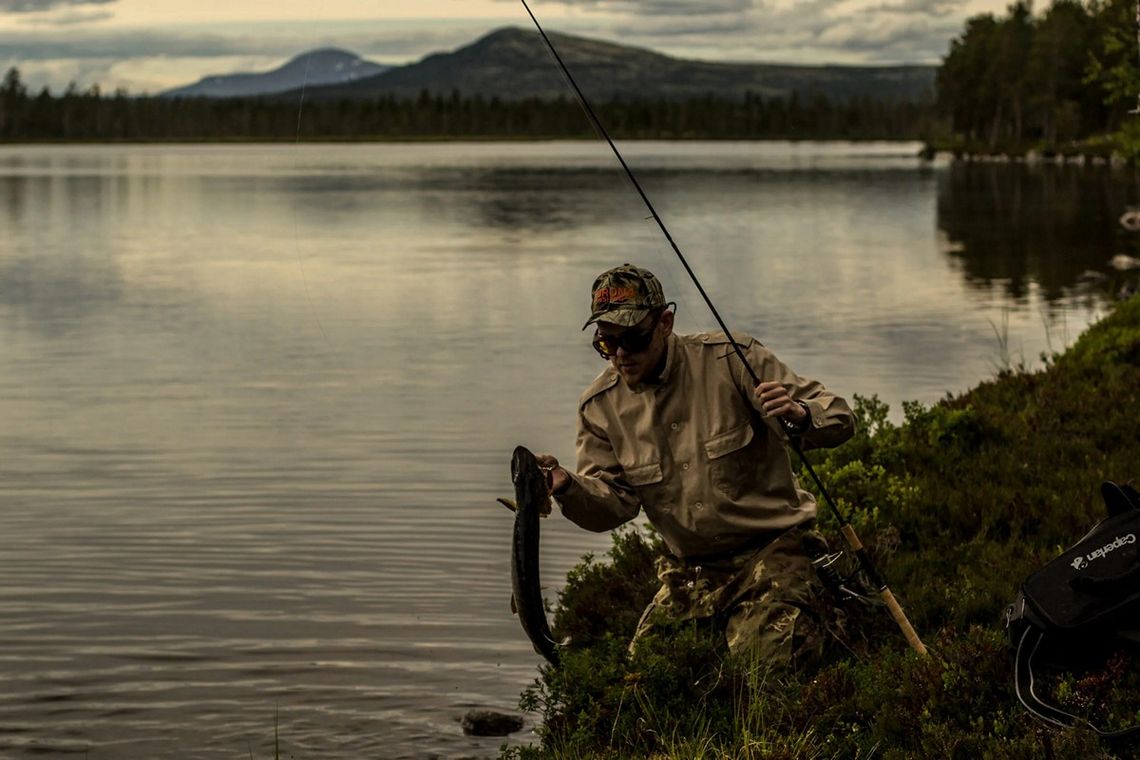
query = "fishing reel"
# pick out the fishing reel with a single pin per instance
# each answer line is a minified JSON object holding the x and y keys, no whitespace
{"x":838,"y":573}
{"x":844,"y":587}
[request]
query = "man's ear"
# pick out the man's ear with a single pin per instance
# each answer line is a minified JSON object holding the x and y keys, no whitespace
{"x":667,"y":322}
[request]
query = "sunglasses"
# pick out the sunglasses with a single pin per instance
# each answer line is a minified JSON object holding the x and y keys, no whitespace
{"x":633,"y":341}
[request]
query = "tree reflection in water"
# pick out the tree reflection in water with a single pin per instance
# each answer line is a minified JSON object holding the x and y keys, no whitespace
{"x":1013,"y":224}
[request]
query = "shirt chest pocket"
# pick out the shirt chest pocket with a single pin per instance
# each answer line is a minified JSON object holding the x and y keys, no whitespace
{"x":643,"y":475}
{"x":646,"y":479}
{"x":732,"y":465}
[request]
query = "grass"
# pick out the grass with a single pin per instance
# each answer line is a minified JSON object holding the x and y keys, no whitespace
{"x":957,"y":504}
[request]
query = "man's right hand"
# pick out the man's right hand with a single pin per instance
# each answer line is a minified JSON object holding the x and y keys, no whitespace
{"x":557,"y":478}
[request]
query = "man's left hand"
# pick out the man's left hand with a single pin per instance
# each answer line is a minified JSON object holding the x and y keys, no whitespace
{"x":776,"y":402}
{"x":557,"y":479}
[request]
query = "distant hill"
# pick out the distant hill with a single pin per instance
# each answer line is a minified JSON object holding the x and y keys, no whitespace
{"x":327,"y":66}
{"x":513,"y":63}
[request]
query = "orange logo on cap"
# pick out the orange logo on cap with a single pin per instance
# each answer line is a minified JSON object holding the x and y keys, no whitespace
{"x":614,"y":295}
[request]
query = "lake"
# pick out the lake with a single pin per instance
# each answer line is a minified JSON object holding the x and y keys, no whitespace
{"x":256,"y":401}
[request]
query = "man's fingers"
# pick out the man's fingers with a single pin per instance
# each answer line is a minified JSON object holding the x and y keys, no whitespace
{"x":771,"y":390}
{"x":777,"y":409}
{"x":774,"y":398}
{"x":556,"y":476}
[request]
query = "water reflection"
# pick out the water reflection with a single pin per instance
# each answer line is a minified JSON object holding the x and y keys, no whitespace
{"x":1018,"y":225}
{"x":54,"y":294}
{"x":534,"y":200}
{"x":61,"y":274}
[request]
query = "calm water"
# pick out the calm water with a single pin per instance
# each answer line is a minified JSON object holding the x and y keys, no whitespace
{"x":256,"y":402}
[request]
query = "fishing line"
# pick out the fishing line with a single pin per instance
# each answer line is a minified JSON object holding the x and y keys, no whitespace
{"x":296,"y":237}
{"x":600,"y":132}
{"x":637,"y":185}
{"x":845,"y":526}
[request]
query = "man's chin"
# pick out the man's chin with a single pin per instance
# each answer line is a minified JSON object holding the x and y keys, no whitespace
{"x":630,"y":376}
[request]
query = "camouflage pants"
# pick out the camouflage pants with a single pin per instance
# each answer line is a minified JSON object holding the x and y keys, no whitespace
{"x":769,"y":601}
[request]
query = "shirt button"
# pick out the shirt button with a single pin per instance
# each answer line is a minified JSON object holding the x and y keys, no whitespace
{"x":674,"y":426}
{"x":698,"y":505}
{"x":685,"y":466}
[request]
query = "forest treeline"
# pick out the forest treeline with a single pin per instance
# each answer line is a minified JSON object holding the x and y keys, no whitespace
{"x":1067,"y":74}
{"x":1064,"y":80}
{"x":89,"y":115}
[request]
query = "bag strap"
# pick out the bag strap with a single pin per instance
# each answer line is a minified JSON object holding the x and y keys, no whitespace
{"x":1023,"y":682}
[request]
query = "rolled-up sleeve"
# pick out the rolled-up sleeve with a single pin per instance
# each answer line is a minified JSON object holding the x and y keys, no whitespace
{"x":597,"y":498}
{"x":832,"y":421}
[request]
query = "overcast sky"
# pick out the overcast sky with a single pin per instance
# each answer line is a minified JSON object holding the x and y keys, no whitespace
{"x":149,"y":45}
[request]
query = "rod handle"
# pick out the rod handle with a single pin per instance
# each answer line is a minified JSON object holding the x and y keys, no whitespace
{"x":900,"y":617}
{"x":888,"y":597}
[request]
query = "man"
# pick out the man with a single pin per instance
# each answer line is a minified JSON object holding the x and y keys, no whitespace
{"x":675,"y":427}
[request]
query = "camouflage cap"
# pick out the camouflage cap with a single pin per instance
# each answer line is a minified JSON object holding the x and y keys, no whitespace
{"x":624,"y":296}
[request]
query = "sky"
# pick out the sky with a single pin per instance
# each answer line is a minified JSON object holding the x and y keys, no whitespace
{"x":150,"y":45}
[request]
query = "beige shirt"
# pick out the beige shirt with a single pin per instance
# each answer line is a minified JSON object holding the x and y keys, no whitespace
{"x":693,"y":449}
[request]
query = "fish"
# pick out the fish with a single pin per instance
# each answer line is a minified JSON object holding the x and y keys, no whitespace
{"x":532,"y":501}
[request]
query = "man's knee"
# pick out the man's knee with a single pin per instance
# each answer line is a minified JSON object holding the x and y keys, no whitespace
{"x":779,"y":634}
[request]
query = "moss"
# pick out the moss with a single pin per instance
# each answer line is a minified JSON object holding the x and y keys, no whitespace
{"x":957,"y":504}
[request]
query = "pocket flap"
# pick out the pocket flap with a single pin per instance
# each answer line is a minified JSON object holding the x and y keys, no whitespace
{"x":644,"y":474}
{"x":726,"y":443}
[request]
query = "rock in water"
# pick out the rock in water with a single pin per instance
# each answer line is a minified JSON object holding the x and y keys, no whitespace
{"x":1122,"y":262}
{"x":490,"y":723}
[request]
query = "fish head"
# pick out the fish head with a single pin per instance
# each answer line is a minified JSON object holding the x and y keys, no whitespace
{"x":528,"y":477}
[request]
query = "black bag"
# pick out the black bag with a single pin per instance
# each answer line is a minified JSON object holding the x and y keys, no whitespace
{"x":1083,"y":601}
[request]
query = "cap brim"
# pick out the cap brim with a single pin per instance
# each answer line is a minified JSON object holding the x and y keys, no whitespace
{"x":621,"y":317}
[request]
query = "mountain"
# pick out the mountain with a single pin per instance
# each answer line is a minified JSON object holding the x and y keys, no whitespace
{"x":514,"y":63}
{"x":327,"y":66}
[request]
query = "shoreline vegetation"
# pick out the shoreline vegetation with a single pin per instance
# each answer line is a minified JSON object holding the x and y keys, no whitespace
{"x":957,"y":504}
{"x":90,"y":116}
{"x":1058,"y":86}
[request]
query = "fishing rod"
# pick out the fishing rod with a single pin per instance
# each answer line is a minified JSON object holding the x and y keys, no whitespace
{"x":845,"y":527}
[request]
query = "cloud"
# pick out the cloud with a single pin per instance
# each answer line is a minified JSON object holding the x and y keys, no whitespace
{"x":922,"y":7}
{"x":666,"y":7}
{"x":68,"y":18}
{"x":286,"y":42}
{"x":874,"y":35}
{"x":760,"y":9}
{"x":110,"y":44}
{"x":39,"y":6}
{"x":777,"y":31}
